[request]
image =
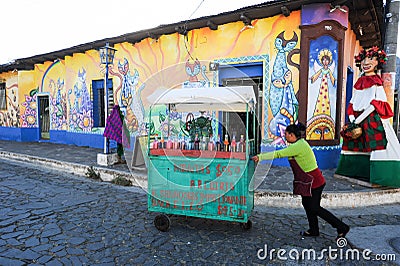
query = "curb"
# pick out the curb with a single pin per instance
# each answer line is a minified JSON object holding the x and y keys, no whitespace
{"x":265,"y":198}
{"x":330,"y":199}
{"x":73,"y":168}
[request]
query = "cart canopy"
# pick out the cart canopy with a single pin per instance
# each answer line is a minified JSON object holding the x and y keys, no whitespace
{"x":229,"y":99}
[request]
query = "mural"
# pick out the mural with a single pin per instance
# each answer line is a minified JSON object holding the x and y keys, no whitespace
{"x":29,"y":115}
{"x":68,"y":81}
{"x":193,"y":70}
{"x":58,"y":105}
{"x":10,"y":116}
{"x":80,"y":110}
{"x":129,"y":98}
{"x":175,"y":124}
{"x":322,"y":89}
{"x":282,"y":98}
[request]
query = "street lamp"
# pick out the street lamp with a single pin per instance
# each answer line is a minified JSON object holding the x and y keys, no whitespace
{"x":106,"y":57}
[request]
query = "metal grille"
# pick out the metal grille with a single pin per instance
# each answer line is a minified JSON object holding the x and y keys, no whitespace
{"x":44,"y":112}
{"x":3,"y":105}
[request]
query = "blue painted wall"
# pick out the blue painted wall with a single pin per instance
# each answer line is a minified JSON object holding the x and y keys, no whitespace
{"x":327,"y":156}
{"x":19,"y":134}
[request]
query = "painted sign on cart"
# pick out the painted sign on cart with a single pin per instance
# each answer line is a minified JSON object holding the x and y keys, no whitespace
{"x":218,"y":188}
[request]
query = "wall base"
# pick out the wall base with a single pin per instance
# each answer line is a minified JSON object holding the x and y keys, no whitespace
{"x":327,"y":156}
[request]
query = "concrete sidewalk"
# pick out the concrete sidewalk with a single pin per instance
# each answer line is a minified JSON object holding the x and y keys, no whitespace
{"x":273,"y":185}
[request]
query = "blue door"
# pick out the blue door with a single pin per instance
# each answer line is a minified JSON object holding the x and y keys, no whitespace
{"x":98,"y":101}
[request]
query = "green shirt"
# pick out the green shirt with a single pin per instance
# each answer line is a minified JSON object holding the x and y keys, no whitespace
{"x":300,"y":150}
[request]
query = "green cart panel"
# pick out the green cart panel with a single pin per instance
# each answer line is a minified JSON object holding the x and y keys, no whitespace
{"x":215,"y":188}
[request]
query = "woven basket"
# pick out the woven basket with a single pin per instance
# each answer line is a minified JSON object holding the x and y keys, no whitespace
{"x":356,"y":133}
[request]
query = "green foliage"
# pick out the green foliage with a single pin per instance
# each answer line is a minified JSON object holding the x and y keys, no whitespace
{"x":91,"y":173}
{"x":122,"y":181}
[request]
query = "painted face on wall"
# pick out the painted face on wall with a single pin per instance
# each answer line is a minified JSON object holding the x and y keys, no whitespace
{"x":320,"y":133}
{"x":369,"y":65}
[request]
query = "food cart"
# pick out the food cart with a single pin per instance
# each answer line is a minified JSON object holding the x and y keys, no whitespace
{"x":202,"y":182}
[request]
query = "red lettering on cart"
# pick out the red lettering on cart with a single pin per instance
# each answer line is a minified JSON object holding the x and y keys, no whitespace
{"x":195,"y":168}
{"x":224,"y":210}
{"x":237,"y":200}
{"x":223,"y":186}
{"x":207,"y":197}
{"x":227,"y":169}
{"x":170,"y":194}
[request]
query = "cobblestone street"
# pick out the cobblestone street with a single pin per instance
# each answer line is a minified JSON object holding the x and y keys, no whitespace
{"x":53,"y":218}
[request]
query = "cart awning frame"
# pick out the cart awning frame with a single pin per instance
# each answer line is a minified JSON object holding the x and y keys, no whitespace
{"x":228,"y":99}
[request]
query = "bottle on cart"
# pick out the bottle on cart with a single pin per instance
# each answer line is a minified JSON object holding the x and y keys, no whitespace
{"x":176,"y":143}
{"x":211,"y":144}
{"x":233,"y":144}
{"x":161,"y":143}
{"x":242,"y":144}
{"x":182,"y":143}
{"x":196,"y":142}
{"x":169,"y":143}
{"x":203,"y":144}
{"x":218,"y":143}
{"x":226,"y":143}
{"x":155,"y":142}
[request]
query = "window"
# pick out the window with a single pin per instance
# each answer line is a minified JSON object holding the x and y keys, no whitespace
{"x":3,"y":101}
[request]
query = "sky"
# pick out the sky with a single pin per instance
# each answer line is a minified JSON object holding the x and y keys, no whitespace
{"x":33,"y":27}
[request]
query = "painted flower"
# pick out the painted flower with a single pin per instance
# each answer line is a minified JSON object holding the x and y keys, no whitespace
{"x":85,"y":120}
{"x":31,"y":120}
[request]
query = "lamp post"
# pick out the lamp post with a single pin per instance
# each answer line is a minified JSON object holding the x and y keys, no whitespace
{"x":106,"y":57}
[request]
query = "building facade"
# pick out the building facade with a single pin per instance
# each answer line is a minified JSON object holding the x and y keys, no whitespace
{"x":298,"y":56}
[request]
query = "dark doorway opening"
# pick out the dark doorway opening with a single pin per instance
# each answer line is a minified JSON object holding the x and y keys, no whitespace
{"x":44,"y":117}
{"x":230,"y":120}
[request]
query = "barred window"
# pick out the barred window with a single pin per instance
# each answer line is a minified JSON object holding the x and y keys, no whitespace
{"x":3,"y":105}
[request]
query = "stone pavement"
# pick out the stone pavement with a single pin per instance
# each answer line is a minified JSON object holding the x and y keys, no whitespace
{"x":66,"y":215}
{"x":51,"y":217}
{"x":273,"y":184}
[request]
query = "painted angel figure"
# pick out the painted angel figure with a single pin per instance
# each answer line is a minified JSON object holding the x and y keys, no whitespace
{"x":324,"y":68}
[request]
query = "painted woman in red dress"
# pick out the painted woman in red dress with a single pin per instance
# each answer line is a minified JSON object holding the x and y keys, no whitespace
{"x":375,"y":155}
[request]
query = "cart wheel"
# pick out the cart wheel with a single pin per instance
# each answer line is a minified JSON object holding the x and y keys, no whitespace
{"x":162,"y":222}
{"x":247,"y":225}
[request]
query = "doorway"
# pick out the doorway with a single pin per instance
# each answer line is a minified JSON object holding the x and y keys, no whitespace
{"x":44,"y":117}
{"x":98,"y":101}
{"x":230,"y":121}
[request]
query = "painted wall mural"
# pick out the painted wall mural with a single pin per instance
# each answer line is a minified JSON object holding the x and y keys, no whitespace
{"x":68,"y":81}
{"x":282,"y":97}
{"x":322,"y":91}
{"x":58,"y":105}
{"x":193,"y":70}
{"x":81,"y":107}
{"x":166,"y":122}
{"x":128,"y":96}
{"x":10,"y":117}
{"x":29,"y":115}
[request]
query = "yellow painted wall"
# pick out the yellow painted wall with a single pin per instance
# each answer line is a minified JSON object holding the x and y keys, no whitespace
{"x":150,"y":64}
